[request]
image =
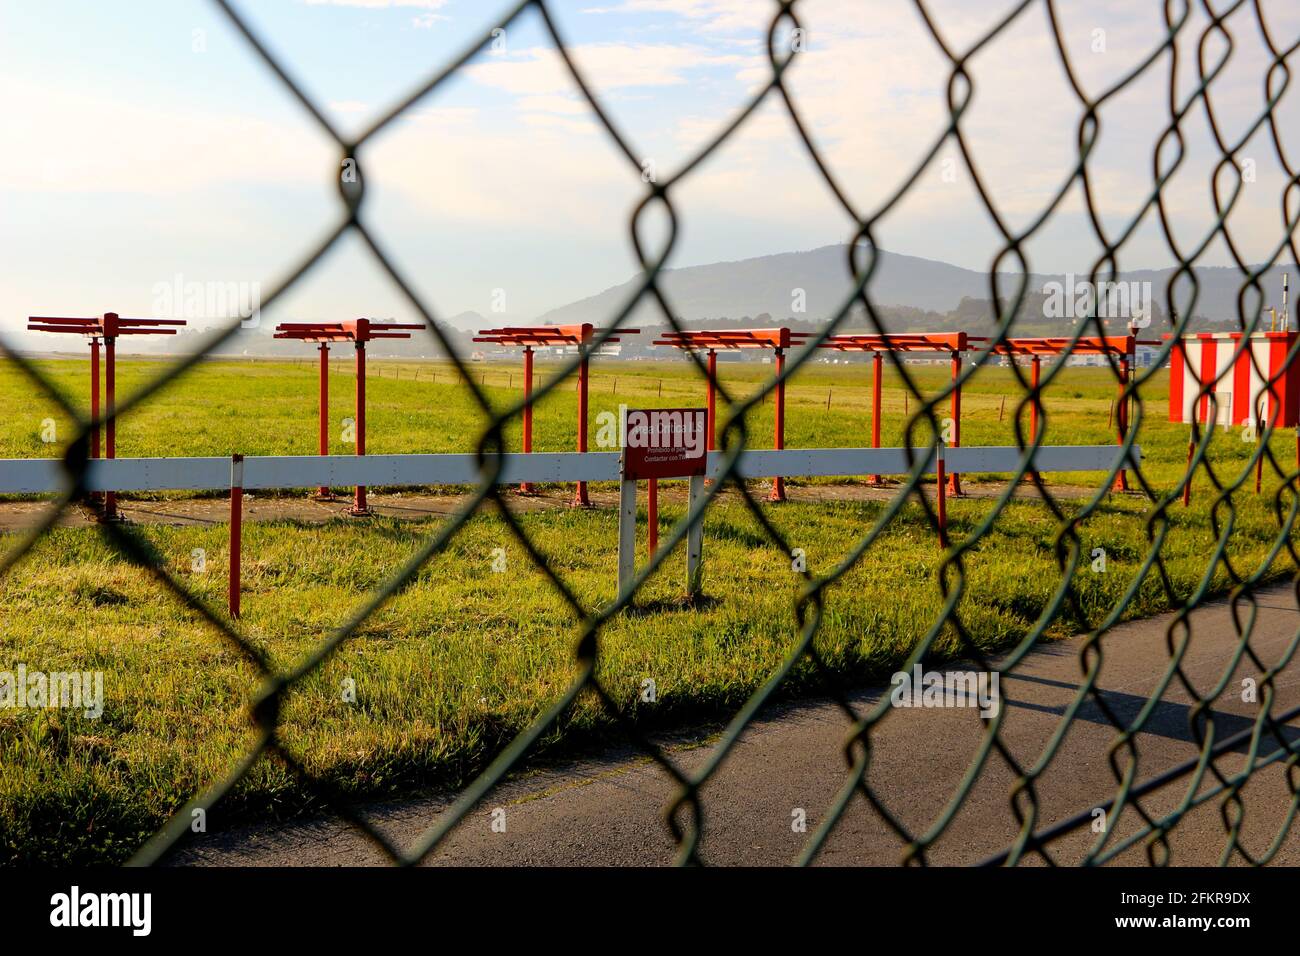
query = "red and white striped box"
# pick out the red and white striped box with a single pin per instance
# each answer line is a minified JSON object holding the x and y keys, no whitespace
{"x":1240,"y":388}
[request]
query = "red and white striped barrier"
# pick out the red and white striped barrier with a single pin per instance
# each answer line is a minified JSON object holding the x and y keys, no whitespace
{"x":1240,"y":387}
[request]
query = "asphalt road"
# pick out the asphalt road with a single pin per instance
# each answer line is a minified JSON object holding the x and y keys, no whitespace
{"x":608,"y":808}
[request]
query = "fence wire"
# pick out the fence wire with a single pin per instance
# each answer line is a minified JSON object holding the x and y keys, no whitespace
{"x":1266,"y":739}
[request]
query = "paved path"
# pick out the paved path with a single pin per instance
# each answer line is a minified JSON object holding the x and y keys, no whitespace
{"x":607,"y":809}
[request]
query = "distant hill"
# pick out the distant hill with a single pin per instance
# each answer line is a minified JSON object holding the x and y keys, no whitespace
{"x":765,"y":286}
{"x":473,"y":321}
{"x":911,"y":293}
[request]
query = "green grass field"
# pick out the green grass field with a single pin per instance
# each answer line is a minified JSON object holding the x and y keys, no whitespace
{"x":270,"y":408}
{"x":457,"y":664}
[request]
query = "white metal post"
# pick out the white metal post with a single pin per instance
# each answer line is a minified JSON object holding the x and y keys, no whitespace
{"x":626,"y":535}
{"x":236,"y":533}
{"x":1286,"y":315}
{"x":695,"y":539}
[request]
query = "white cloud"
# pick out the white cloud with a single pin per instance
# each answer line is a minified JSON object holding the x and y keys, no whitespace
{"x":871,"y":90}
{"x":712,"y":15}
{"x":425,"y":21}
{"x":443,"y":116}
{"x":573,"y":105}
{"x":378,"y":4}
{"x":607,"y":66}
{"x":548,"y":173}
{"x":158,"y":151}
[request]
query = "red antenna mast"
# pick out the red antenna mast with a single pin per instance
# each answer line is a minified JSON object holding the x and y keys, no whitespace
{"x":953,"y":343}
{"x":711,"y":341}
{"x":532,"y":337}
{"x":358,"y":332}
{"x":106,"y":327}
{"x":1124,"y":347}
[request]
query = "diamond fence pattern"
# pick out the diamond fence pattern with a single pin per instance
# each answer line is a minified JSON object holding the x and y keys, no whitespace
{"x":1267,"y":739}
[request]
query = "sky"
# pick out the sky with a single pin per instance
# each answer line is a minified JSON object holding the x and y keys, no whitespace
{"x":147,"y":146}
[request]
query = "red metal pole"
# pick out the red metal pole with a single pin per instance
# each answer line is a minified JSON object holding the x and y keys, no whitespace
{"x":778,"y":483}
{"x":954,"y":486}
{"x":1259,"y":437}
{"x":652,"y":517}
{"x":236,"y":530}
{"x":713,"y":409}
{"x":94,"y":397}
{"x":1121,"y":419}
{"x":941,"y":486}
{"x":359,"y":500}
{"x":1035,"y":364}
{"x":877,"y":367}
{"x":580,"y":499}
{"x":1259,"y":467}
{"x":1035,"y":367}
{"x":110,"y":400}
{"x":323,"y":493}
{"x":94,"y":405}
{"x":525,"y":488}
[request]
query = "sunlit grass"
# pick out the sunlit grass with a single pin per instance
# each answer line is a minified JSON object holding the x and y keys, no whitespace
{"x":456,"y":664}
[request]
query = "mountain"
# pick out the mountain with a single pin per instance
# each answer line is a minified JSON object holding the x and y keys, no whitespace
{"x":766,"y":286}
{"x":473,"y":321}
{"x":912,"y":294}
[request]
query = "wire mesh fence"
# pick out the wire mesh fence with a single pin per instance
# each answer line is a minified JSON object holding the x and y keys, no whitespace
{"x":1267,"y":739}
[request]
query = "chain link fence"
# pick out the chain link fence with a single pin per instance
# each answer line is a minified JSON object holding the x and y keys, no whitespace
{"x":1267,"y":739}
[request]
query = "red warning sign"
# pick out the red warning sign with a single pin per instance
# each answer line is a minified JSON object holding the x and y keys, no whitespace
{"x":664,"y":443}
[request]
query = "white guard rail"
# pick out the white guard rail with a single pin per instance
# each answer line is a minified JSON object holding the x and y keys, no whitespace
{"x":46,"y":475}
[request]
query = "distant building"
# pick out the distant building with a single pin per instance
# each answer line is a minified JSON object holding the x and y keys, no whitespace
{"x":609,"y":348}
